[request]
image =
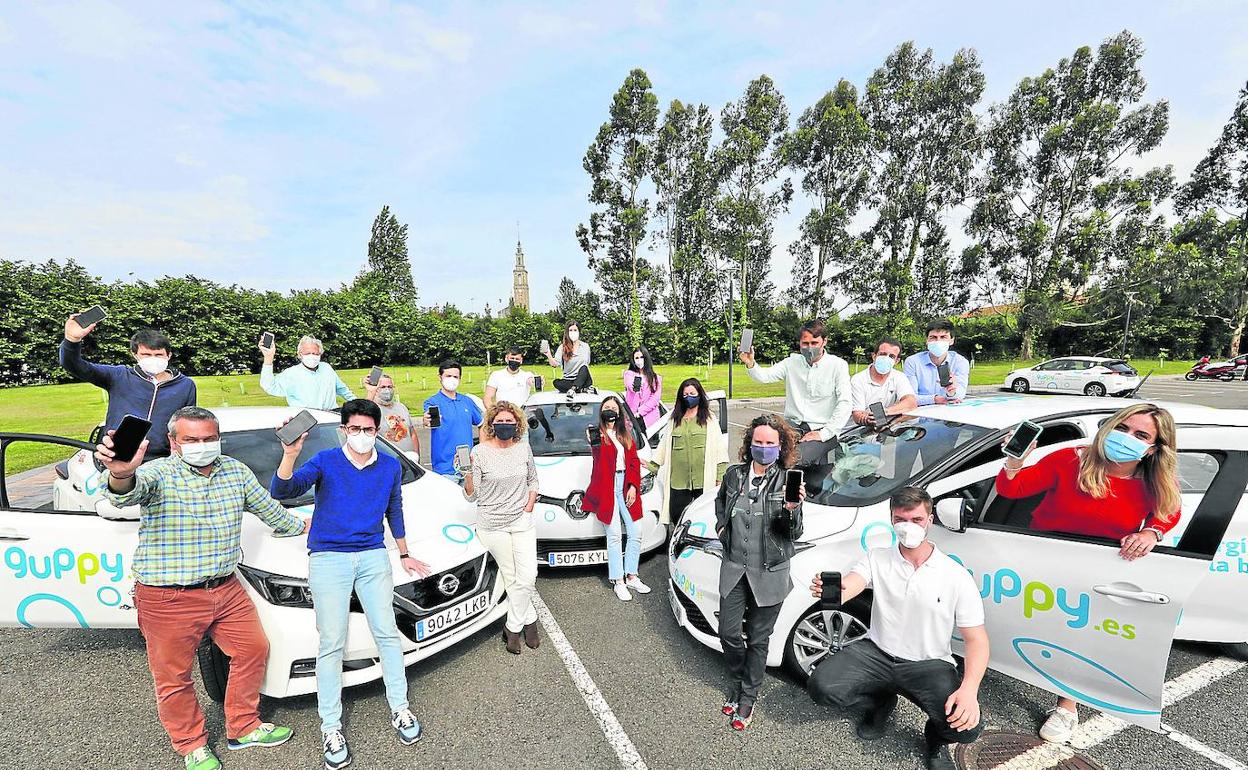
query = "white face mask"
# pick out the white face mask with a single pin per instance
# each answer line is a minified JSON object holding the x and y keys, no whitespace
{"x":909,"y":534}
{"x":311,"y":360}
{"x":574,"y":335}
{"x":201,"y":454}
{"x":450,"y":384}
{"x":153,"y":365}
{"x":362,"y":443}
{"x":640,"y":363}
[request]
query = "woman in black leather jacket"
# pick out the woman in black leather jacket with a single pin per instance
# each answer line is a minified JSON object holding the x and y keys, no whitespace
{"x":757,"y":529}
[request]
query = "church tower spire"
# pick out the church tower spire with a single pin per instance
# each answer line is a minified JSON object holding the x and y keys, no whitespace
{"x":520,"y":277}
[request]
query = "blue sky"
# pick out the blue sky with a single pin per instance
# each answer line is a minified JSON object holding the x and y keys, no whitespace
{"x":253,"y":143}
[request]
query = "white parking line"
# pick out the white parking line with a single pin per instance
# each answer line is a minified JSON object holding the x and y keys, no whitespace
{"x":1208,"y":752}
{"x":624,"y":749}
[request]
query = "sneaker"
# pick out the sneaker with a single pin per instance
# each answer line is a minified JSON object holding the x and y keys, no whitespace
{"x":1059,"y":726}
{"x":337,"y":752}
{"x":621,"y":591}
{"x":875,"y":722}
{"x":267,"y":735}
{"x":634,"y":582}
{"x":742,"y":718}
{"x":202,"y":758}
{"x":407,"y":726}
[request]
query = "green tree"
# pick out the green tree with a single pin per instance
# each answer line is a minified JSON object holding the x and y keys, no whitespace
{"x":1055,"y":206}
{"x":1220,"y":184}
{"x":926,"y":141}
{"x":830,"y":147}
{"x":618,"y":163}
{"x":388,"y":262}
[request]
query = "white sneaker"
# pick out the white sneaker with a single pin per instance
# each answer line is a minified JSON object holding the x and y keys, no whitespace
{"x":634,"y":582}
{"x":1059,"y":726}
{"x":621,"y":591}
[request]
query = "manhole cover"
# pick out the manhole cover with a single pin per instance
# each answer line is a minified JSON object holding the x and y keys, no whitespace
{"x":997,"y":747}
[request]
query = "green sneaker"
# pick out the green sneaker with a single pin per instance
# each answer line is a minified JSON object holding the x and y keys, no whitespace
{"x":266,"y":735}
{"x":202,"y":758}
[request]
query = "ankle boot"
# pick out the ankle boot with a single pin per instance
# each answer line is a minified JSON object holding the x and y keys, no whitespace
{"x":530,"y":636}
{"x":512,"y":641}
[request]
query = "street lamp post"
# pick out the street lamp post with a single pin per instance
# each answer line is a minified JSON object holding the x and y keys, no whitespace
{"x":1126,"y":330}
{"x":732,"y":342}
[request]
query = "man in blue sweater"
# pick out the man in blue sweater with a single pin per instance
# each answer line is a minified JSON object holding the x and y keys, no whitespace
{"x":148,"y":388}
{"x":357,"y":488}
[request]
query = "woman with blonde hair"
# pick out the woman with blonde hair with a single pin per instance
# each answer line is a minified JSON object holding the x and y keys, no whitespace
{"x":1124,"y":486}
{"x":503,"y":482}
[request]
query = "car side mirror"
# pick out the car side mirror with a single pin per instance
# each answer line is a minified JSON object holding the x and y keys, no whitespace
{"x":952,"y":513}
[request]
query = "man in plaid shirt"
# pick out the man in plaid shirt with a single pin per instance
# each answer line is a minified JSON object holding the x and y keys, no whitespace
{"x":192,"y":505}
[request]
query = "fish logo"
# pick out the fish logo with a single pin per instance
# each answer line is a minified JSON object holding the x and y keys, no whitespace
{"x":1051,"y":656}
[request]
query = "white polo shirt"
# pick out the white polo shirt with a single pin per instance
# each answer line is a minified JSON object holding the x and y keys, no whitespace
{"x":513,"y":388}
{"x":914,"y":612}
{"x":864,"y":391}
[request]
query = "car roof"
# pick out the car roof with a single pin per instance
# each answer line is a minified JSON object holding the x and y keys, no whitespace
{"x":237,"y":418}
{"x":1093,"y":359}
{"x":1005,"y":410}
{"x":544,"y":397}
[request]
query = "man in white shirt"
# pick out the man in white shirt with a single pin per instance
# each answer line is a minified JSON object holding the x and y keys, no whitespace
{"x":881,"y":382}
{"x":311,"y":383}
{"x":816,"y":389}
{"x":511,"y":384}
{"x":920,"y":596}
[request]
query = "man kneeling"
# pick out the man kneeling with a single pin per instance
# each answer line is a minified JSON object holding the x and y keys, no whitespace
{"x":920,"y":595}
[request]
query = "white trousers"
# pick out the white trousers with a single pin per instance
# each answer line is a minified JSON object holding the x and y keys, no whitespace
{"x":515,"y":550}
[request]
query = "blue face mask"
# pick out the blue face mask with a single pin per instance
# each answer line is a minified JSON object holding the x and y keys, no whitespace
{"x":764,"y":455}
{"x":938,"y":347}
{"x":883,"y":364}
{"x":692,"y":401}
{"x":1122,"y":447}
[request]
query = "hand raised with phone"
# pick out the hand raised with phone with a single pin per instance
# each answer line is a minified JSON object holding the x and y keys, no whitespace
{"x":294,"y":448}
{"x":267,"y":350}
{"x":74,"y":331}
{"x":119,"y":469}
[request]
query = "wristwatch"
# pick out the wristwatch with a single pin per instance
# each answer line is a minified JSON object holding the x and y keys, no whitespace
{"x":404,"y":555}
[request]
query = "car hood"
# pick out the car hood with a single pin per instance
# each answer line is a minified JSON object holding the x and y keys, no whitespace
{"x":818,"y":521}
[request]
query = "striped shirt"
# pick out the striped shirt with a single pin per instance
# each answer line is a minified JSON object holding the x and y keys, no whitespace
{"x":501,"y":482}
{"x":190,"y":525}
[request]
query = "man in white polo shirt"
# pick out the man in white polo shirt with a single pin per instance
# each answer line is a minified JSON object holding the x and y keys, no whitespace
{"x":881,"y":382}
{"x":920,"y":596}
{"x":511,"y":384}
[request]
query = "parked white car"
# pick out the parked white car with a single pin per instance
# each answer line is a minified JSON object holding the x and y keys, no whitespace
{"x":1064,"y":612}
{"x":1076,"y":374}
{"x":67,"y":554}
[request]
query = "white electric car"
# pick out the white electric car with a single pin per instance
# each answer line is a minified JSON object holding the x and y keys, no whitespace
{"x":1064,"y":612}
{"x":67,"y":551}
{"x":1076,"y":374}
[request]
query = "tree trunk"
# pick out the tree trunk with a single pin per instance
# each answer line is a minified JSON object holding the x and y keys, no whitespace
{"x":816,"y":304}
{"x":1027,"y":348}
{"x":1237,"y":331}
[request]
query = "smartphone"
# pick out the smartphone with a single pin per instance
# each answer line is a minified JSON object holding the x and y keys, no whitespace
{"x":831,"y":598}
{"x":636,"y":384}
{"x":877,"y":411}
{"x":128,"y":435}
{"x":595,"y":435}
{"x":537,"y":382}
{"x":435,"y":417}
{"x":1024,"y":434}
{"x":374,"y":376}
{"x":793,"y":480}
{"x":747,"y":341}
{"x":544,"y":346}
{"x":298,"y":425}
{"x":266,"y":340}
{"x":92,"y":315}
{"x":945,"y":375}
{"x":463,"y":457}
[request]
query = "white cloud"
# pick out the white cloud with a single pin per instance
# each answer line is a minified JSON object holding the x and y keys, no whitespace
{"x":356,"y":84}
{"x":453,"y":44}
{"x":97,"y":29}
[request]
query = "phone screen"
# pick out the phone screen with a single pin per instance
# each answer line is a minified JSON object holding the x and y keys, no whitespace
{"x":792,"y":485}
{"x":537,"y":382}
{"x":435,"y":417}
{"x":1024,"y":434}
{"x":266,"y":340}
{"x":595,"y":435}
{"x":128,"y":435}
{"x":91,"y":315}
{"x":747,"y":340}
{"x":545,"y":347}
{"x":374,"y":376}
{"x":463,"y":460}
{"x":877,"y":411}
{"x":298,"y":425}
{"x":831,"y":596}
{"x":637,"y":384}
{"x":946,"y":377}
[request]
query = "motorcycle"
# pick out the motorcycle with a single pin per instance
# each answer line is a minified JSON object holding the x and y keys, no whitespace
{"x":1211,"y":370}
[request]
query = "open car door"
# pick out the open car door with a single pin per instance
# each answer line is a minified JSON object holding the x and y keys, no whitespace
{"x":61,"y":568}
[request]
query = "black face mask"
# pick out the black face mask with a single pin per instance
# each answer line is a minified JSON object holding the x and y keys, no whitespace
{"x":513,"y":365}
{"x":609,"y":415}
{"x":692,"y":401}
{"x":504,"y":430}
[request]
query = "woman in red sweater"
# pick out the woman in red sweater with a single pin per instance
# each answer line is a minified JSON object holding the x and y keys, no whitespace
{"x":614,"y":495}
{"x":1125,"y":486}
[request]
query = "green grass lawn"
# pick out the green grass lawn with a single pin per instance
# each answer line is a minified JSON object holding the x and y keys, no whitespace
{"x":73,"y":410}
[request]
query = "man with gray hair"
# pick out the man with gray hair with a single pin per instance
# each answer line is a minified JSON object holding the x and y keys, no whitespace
{"x":191,"y":517}
{"x":311,"y":383}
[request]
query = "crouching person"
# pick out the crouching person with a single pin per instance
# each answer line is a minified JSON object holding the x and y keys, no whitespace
{"x":920,"y":596}
{"x":191,"y":515}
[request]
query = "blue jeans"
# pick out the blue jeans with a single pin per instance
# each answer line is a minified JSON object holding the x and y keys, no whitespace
{"x":618,"y":566}
{"x":331,"y":577}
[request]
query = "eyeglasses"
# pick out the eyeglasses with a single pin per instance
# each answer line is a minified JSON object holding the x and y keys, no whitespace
{"x":355,"y":430}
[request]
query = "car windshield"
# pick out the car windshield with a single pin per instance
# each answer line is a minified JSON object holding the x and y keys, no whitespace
{"x":559,"y":429}
{"x":260,"y":451}
{"x":871,"y":465}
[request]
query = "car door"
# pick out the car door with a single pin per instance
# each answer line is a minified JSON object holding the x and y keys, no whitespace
{"x":1044,"y":376}
{"x":60,"y":568}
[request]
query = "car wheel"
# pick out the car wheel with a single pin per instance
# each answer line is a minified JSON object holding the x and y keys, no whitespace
{"x":819,"y":633}
{"x":1237,"y":650}
{"x":214,"y":669}
{"x":1094,"y":389}
{"x":1020,"y":385}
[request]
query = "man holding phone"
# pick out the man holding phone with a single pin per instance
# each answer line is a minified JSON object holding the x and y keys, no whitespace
{"x":457,"y":416}
{"x":147,"y":389}
{"x":920,"y":596}
{"x":924,"y":370}
{"x":881,"y":383}
{"x":311,"y":383}
{"x":191,"y":507}
{"x":397,"y":424}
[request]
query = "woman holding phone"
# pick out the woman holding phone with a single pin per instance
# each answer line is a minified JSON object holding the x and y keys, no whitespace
{"x":643,"y":387}
{"x":1124,"y":486}
{"x":573,"y":360}
{"x":691,"y":456}
{"x":757,"y":529}
{"x":614,"y":495}
{"x":503,"y":483}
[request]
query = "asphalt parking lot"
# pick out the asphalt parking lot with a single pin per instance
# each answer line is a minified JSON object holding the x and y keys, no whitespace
{"x":627,"y":689}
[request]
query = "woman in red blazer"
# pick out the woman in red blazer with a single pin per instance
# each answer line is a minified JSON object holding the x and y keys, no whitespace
{"x":614,"y":495}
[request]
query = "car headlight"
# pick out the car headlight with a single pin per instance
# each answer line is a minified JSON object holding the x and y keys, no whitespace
{"x":647,"y":483}
{"x":278,"y":589}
